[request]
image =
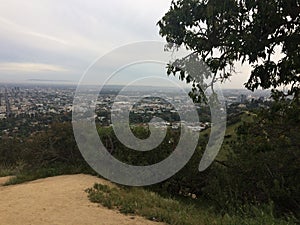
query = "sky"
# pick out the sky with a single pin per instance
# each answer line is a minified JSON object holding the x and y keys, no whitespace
{"x":58,"y":40}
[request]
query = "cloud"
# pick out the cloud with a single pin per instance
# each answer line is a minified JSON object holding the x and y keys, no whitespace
{"x":9,"y":25}
{"x":13,"y":67}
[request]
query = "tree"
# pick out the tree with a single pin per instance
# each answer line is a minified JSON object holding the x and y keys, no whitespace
{"x":228,"y":31}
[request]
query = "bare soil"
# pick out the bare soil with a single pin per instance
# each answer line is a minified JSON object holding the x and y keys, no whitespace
{"x":58,"y":201}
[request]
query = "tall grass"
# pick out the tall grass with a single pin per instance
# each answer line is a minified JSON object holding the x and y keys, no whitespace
{"x":174,"y":211}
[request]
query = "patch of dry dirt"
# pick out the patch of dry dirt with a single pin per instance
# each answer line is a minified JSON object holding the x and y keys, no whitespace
{"x":58,"y":201}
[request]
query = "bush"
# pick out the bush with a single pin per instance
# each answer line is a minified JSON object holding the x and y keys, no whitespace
{"x":263,"y":167}
{"x":53,"y":146}
{"x":46,"y":153}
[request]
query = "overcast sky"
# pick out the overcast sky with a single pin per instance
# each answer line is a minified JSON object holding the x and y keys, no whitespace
{"x":59,"y":39}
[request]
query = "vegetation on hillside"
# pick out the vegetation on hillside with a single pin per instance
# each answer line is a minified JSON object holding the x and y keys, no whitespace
{"x":257,"y":168}
{"x":177,"y":211}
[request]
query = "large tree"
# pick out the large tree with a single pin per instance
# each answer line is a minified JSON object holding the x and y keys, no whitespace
{"x":262,"y":33}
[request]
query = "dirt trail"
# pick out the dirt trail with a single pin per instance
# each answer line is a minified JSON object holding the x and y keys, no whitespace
{"x":58,"y":201}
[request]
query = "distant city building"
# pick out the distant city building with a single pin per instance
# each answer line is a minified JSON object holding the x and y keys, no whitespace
{"x":242,"y":98}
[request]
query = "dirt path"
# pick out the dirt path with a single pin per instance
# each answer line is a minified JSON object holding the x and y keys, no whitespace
{"x":58,"y":201}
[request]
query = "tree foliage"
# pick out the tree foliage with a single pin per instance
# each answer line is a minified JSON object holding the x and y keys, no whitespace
{"x":229,"y":31}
